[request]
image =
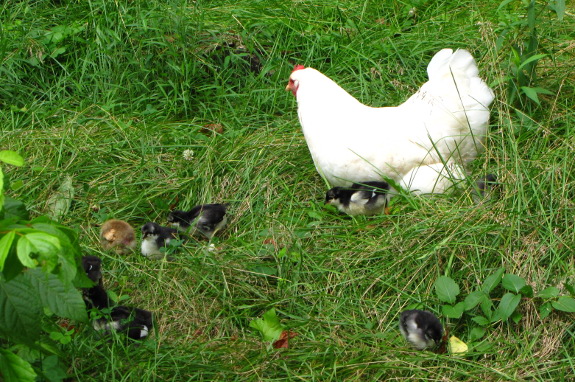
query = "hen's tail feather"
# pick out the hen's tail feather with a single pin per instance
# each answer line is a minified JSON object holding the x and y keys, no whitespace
{"x":460,"y":63}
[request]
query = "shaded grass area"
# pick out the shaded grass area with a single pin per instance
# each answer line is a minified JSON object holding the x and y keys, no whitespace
{"x":116,"y":97}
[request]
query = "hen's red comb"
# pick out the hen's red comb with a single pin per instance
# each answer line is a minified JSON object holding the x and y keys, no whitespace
{"x":298,"y":67}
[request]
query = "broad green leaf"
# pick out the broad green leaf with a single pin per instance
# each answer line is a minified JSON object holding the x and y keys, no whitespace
{"x":565,"y":304}
{"x":15,"y":209}
{"x":570,"y":289}
{"x":506,"y":306}
{"x":269,"y":325}
{"x":476,"y":334}
{"x":5,"y":245}
{"x":59,"y":202}
{"x":512,"y":283}
{"x":480,"y":320}
{"x":446,"y":289}
{"x":14,"y":368}
{"x":11,"y":157}
{"x":53,"y":369}
{"x":64,"y":301}
{"x":526,"y":291}
{"x":550,"y":292}
{"x":516,"y":316}
{"x":45,"y":247}
{"x":20,"y":310}
{"x":455,"y":311}
{"x":487,"y":307}
{"x":473,"y":299}
{"x":492,"y":281}
{"x":545,"y":310}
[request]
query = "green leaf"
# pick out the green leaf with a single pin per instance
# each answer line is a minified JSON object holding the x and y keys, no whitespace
{"x":564,"y":304}
{"x":11,"y":157}
{"x":550,"y":292}
{"x":512,"y":282}
{"x":506,"y":307}
{"x":1,"y":190}
{"x":530,"y":93}
{"x":455,"y":311}
{"x":492,"y":281}
{"x":570,"y":289}
{"x":545,"y":309}
{"x":476,"y":333}
{"x":487,"y":307}
{"x":559,"y":9}
{"x":53,"y":369}
{"x":14,"y":368}
{"x":15,"y":209}
{"x":5,"y":245}
{"x":531,"y":59}
{"x":64,"y":301}
{"x":43,"y":245}
{"x":20,"y":310}
{"x":59,"y":202}
{"x":473,"y":299}
{"x":446,"y":289}
{"x":527,"y":291}
{"x":269,"y":325}
{"x":516,"y":317}
{"x":480,"y":320}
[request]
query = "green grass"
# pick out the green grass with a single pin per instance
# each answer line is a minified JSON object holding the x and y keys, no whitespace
{"x":127,"y":86}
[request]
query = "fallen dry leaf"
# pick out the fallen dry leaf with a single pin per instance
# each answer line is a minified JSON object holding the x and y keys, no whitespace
{"x":212,"y":128}
{"x":283,"y":341}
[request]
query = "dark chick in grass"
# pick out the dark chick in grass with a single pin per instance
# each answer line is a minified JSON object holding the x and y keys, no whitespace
{"x":421,"y":329}
{"x":365,"y":198}
{"x":154,"y":237}
{"x":206,"y":219}
{"x":96,"y":296}
{"x":134,"y":322}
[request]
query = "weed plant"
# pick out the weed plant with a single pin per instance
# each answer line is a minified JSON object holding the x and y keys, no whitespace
{"x":111,"y":94}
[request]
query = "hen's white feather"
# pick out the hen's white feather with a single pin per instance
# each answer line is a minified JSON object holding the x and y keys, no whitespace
{"x":444,"y":122}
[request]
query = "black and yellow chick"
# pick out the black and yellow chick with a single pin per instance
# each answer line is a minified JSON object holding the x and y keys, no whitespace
{"x":421,"y":329}
{"x":206,"y":219}
{"x":366,"y":198}
{"x":134,"y":322}
{"x":154,"y":237}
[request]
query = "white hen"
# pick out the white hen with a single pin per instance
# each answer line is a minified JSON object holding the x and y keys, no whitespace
{"x":422,"y":143}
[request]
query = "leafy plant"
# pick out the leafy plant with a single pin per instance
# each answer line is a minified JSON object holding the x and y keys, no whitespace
{"x":521,"y":32}
{"x":485,"y":307}
{"x":38,"y":278}
{"x":268,"y":326}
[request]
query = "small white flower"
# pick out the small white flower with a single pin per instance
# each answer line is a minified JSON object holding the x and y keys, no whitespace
{"x":188,"y":154}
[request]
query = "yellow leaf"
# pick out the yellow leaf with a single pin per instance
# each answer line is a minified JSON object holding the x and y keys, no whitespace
{"x":456,"y":346}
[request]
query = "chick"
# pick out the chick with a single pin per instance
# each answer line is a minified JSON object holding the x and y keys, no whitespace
{"x":119,"y":235}
{"x":420,"y":328}
{"x":95,"y":297}
{"x":154,"y":237}
{"x":366,"y":198}
{"x":209,"y":219}
{"x":134,"y":322}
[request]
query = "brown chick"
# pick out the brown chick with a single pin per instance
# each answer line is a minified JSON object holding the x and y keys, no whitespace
{"x":119,"y":235}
